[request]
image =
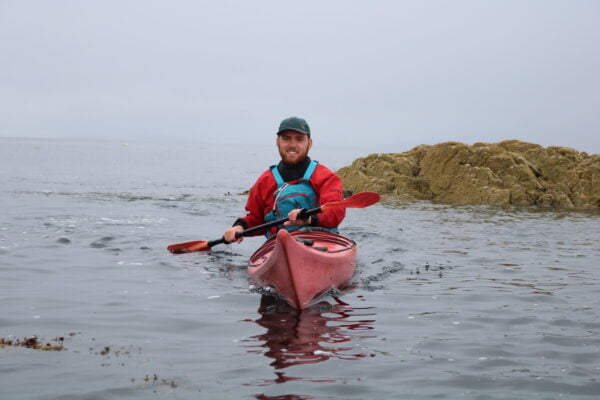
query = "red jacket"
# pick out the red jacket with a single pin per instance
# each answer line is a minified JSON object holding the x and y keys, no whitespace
{"x":327,"y":185}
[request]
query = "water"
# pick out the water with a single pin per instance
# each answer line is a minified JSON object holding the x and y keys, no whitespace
{"x":450,"y":302}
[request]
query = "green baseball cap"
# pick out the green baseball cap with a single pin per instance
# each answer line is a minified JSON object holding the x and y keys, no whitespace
{"x":294,"y":124}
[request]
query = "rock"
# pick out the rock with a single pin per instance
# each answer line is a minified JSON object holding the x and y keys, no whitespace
{"x":505,"y":173}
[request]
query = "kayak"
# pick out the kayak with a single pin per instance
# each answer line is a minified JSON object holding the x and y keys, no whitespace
{"x":301,"y":266}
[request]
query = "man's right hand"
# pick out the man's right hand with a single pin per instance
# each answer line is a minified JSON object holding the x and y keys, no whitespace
{"x":229,"y":234}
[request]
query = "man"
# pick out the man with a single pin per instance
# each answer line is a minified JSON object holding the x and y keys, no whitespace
{"x":297,"y":182}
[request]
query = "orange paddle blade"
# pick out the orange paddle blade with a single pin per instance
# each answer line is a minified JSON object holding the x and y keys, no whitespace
{"x":188,"y":247}
{"x":359,"y":200}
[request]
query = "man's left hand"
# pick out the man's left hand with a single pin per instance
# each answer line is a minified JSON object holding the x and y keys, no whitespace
{"x":294,"y":220}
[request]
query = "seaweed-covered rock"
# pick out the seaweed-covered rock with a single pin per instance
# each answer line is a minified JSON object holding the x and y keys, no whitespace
{"x":509,"y":172}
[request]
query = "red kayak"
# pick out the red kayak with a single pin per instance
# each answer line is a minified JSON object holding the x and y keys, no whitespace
{"x":303,"y":265}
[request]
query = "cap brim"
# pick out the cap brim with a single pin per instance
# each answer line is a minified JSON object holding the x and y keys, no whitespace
{"x":290,"y":129}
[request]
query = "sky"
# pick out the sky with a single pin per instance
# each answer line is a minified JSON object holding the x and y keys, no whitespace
{"x":381,"y":75}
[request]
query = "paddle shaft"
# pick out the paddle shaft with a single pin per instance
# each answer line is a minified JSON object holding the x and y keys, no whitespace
{"x":359,"y":200}
{"x":303,"y":215}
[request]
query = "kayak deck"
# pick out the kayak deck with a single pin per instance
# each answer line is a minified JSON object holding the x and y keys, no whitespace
{"x":303,"y":265}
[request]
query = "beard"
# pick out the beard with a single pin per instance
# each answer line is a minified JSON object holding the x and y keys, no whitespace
{"x":292,"y":155}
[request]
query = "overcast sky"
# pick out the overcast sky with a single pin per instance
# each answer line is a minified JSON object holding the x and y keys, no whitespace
{"x":387,"y":75}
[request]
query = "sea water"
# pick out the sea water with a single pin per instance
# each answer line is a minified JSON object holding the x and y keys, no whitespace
{"x":449,"y":302}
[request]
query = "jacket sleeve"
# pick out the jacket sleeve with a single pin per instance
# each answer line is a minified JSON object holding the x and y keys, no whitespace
{"x":329,"y":189}
{"x":259,"y":203}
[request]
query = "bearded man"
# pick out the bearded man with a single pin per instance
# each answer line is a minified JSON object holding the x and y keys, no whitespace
{"x":296,"y":183}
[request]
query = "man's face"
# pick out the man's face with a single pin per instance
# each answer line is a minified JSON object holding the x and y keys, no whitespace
{"x":293,"y":146}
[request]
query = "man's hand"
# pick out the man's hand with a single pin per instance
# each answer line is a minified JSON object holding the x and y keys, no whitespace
{"x":229,"y":234}
{"x":294,"y":220}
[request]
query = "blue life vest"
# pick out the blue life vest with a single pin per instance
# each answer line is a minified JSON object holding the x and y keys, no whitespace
{"x":292,"y":195}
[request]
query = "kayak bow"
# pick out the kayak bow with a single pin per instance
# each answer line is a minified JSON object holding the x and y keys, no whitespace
{"x":303,"y":265}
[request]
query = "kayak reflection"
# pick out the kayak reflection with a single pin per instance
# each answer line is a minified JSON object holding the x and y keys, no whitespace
{"x":311,"y":335}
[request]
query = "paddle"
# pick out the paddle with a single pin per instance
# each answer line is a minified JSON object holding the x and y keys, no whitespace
{"x":359,"y":200}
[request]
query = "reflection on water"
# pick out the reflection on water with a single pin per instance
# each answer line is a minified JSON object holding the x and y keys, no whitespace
{"x":309,"y":336}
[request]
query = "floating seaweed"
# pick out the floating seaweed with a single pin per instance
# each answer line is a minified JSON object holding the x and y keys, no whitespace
{"x":157,"y":380}
{"x":33,"y":342}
